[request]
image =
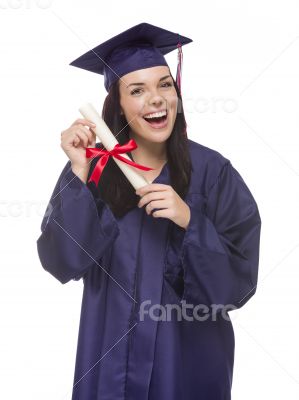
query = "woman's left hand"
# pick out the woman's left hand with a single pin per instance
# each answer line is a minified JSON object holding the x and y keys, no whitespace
{"x":157,"y":195}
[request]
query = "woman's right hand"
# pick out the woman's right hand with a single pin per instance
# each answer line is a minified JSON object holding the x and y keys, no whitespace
{"x":74,"y":141}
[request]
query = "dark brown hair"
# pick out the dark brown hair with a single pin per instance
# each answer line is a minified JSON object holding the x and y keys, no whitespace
{"x":113,"y":187}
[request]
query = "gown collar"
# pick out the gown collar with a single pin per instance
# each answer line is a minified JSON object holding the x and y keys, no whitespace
{"x":163,"y":177}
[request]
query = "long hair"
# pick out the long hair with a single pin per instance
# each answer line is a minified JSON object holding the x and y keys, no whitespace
{"x":113,"y":187}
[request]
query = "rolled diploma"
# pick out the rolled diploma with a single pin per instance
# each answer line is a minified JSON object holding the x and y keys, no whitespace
{"x":109,"y":141}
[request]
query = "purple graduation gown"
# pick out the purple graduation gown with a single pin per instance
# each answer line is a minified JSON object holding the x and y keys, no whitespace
{"x":136,"y":258}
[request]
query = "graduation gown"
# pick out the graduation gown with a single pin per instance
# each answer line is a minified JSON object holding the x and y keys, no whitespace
{"x":139,"y":262}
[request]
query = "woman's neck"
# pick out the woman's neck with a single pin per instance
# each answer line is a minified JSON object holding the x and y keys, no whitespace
{"x":148,"y":153}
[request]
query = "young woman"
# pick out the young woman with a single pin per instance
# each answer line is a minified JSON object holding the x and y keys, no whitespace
{"x":161,"y":266}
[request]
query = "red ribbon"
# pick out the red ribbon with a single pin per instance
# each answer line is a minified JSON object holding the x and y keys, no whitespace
{"x":115,"y":152}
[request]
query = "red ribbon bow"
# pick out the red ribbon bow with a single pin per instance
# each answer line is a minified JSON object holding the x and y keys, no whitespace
{"x":115,"y":152}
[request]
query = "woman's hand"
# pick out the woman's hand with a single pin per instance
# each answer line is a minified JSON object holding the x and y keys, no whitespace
{"x":157,"y":195}
{"x":74,"y":141}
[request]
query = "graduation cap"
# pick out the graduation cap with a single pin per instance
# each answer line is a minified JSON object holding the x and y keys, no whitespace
{"x":142,"y":46}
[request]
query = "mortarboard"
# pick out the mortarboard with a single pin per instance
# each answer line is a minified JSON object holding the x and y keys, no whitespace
{"x":142,"y":46}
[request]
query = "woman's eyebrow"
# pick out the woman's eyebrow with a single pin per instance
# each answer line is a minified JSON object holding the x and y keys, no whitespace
{"x":141,"y":83}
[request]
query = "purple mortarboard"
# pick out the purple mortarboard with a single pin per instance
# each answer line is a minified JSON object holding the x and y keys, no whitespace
{"x":142,"y":46}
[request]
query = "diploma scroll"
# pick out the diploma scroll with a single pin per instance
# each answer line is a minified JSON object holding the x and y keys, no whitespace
{"x":109,"y":141}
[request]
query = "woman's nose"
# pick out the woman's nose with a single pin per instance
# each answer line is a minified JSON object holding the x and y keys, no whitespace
{"x":156,"y":99}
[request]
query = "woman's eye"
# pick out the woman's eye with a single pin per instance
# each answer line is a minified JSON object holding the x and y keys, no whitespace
{"x":136,"y":91}
{"x":166,"y":84}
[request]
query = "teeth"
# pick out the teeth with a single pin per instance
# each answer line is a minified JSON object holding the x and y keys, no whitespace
{"x":156,"y":115}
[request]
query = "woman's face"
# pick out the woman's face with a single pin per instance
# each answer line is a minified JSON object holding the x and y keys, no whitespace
{"x":149,"y":102}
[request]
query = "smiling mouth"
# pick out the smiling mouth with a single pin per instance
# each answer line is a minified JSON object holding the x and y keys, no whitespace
{"x":157,"y":122}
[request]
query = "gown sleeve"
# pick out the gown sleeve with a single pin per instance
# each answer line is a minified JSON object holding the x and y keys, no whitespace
{"x":220,"y":249}
{"x":77,"y":228}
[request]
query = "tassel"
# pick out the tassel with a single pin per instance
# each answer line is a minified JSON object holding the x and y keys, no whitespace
{"x":179,"y":67}
{"x":179,"y":74}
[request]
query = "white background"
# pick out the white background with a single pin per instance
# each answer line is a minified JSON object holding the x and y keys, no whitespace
{"x":240,"y":88}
